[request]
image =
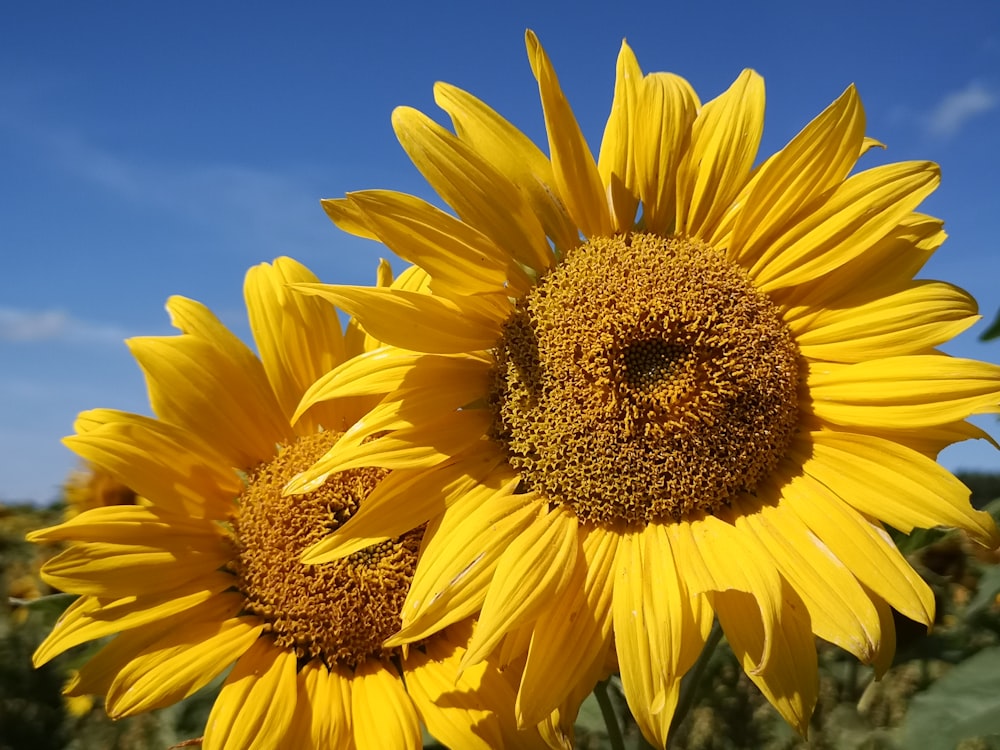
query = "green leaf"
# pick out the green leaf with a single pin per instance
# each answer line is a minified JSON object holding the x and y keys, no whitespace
{"x":963,"y":704}
{"x":986,"y":591}
{"x":993,"y":331}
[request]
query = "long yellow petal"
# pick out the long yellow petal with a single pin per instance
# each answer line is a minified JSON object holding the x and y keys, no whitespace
{"x":299,"y":337}
{"x":514,"y":154}
{"x":100,"y":671}
{"x":256,"y":703}
{"x":406,"y":499}
{"x":616,"y":161}
{"x":480,"y":194}
{"x":453,"y":253}
{"x":90,"y":618}
{"x":124,"y":524}
{"x":865,"y":549}
{"x":536,"y":568}
{"x":571,"y":638}
{"x":648,"y":607}
{"x":417,"y":321}
{"x":115,"y":570}
{"x":381,"y":712}
{"x":790,"y":678}
{"x":459,"y":558}
{"x":723,"y":146}
{"x":814,"y":161}
{"x":666,"y":110}
{"x":884,"y":268}
{"x":863,"y":210}
{"x":463,"y":713}
{"x":164,"y":464}
{"x":904,"y":392}
{"x":182,"y":662}
{"x":387,"y":369}
{"x":418,"y":447}
{"x":719,"y":557}
{"x":911,"y":321}
{"x":195,"y":385}
{"x":576,"y":175}
{"x":839,"y":609}
{"x":912,"y":490}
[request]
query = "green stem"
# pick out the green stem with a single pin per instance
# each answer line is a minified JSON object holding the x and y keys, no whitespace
{"x":608,"y":712}
{"x":689,"y":685}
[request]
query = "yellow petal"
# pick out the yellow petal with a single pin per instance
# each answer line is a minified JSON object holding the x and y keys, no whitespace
{"x":480,"y":194}
{"x":655,"y":633}
{"x":299,"y":337}
{"x":536,"y":568}
{"x":884,"y":268}
{"x":904,"y":392}
{"x":790,"y":679}
{"x":576,"y":175}
{"x":406,"y":499}
{"x":787,"y":184}
{"x":116,"y":570}
{"x":382,"y":713}
{"x":124,"y":524}
{"x":571,"y":638}
{"x":719,"y":557}
{"x":96,"y":676}
{"x":913,"y":491}
{"x":458,"y":713}
{"x":347,"y":216}
{"x":387,"y":369}
{"x":913,"y":320}
{"x":724,"y":141}
{"x":90,"y":618}
{"x":165,"y":464}
{"x":839,"y":609}
{"x":865,"y":549}
{"x":863,"y":210}
{"x":616,"y":162}
{"x":323,"y":709}
{"x":452,"y":252}
{"x":666,"y":109}
{"x":459,"y":558}
{"x":417,"y":321}
{"x":194,"y":385}
{"x":257,"y":702}
{"x":513,"y":153}
{"x":182,"y":662}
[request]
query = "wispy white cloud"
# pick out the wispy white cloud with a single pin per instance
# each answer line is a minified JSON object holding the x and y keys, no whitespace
{"x":958,"y":107}
{"x":17,"y":325}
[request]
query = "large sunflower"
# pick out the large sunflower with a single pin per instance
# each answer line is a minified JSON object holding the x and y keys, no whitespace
{"x":206,"y":574}
{"x":705,"y":384}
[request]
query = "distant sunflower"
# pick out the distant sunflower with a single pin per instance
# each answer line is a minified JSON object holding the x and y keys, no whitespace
{"x":704,"y":385}
{"x":92,"y":487}
{"x":206,"y":575}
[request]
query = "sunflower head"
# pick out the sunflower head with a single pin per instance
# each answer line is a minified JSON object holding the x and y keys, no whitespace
{"x":664,"y":385}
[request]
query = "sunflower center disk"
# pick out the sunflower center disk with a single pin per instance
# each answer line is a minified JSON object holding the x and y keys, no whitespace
{"x":644,"y":379}
{"x":340,"y":611}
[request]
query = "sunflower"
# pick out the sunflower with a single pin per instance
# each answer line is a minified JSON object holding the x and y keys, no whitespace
{"x":706,"y":387}
{"x":206,"y":574}
{"x":92,"y":487}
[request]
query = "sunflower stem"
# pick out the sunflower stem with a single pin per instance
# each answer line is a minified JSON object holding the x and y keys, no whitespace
{"x":690,"y":683}
{"x":615,"y":740}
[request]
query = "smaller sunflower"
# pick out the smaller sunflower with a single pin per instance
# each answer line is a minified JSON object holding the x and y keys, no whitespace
{"x":205,"y":575}
{"x":91,"y":487}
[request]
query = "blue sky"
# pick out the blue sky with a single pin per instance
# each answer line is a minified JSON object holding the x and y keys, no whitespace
{"x":157,"y":149}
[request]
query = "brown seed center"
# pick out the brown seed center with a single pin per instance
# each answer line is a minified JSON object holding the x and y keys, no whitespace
{"x":340,"y":611}
{"x":644,"y":378}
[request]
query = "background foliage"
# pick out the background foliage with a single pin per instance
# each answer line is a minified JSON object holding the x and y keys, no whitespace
{"x":942,"y":693}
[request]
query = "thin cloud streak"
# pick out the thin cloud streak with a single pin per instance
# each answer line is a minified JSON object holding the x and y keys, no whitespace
{"x":958,"y":107}
{"x":26,"y":326}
